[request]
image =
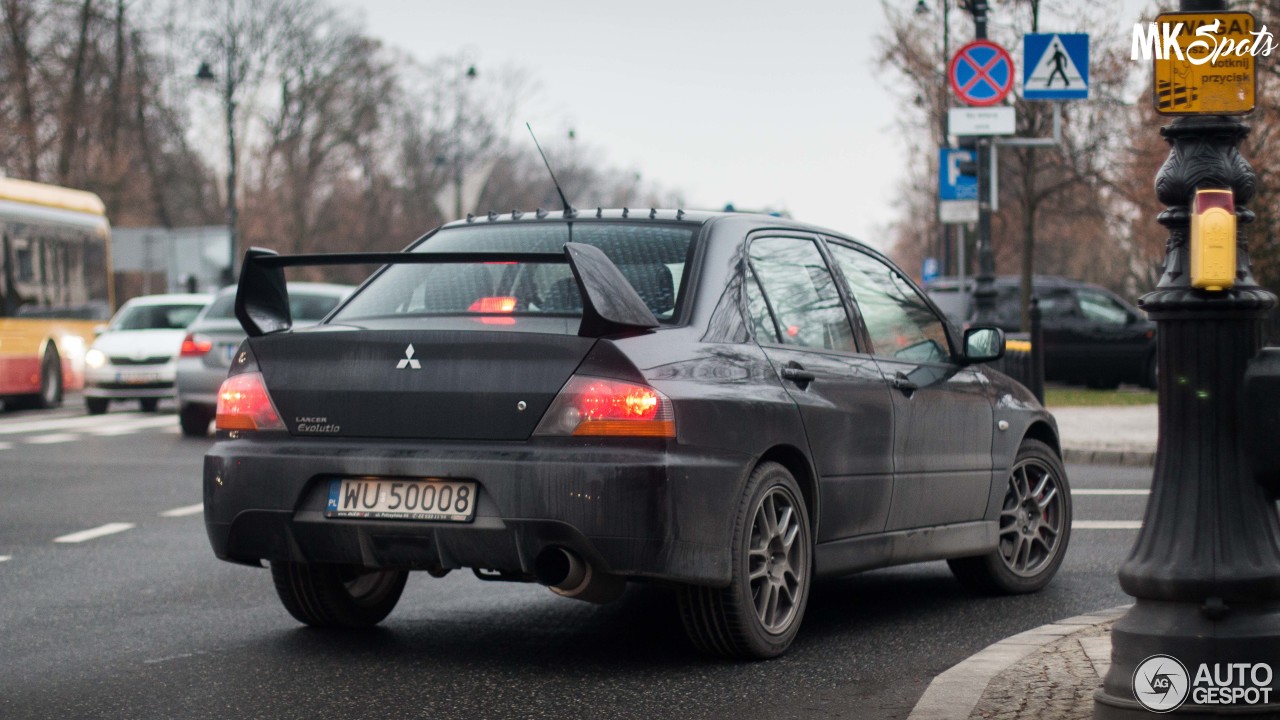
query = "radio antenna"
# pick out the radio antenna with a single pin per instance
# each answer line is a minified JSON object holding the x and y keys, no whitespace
{"x":568,"y":209}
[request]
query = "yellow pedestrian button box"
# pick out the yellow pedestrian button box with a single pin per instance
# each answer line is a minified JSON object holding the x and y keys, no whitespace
{"x":1204,"y":62}
{"x":1213,"y":240}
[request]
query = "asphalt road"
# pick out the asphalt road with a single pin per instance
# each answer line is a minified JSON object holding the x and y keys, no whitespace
{"x":143,"y":622}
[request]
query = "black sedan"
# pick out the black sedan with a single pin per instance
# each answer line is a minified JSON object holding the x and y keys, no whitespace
{"x":731,"y":404}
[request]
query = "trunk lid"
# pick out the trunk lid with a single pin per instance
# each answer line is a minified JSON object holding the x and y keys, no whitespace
{"x":452,"y":385}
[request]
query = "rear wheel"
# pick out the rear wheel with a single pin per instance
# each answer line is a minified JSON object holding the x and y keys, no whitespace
{"x":759,"y":613}
{"x":1035,"y":526}
{"x":50,"y":380}
{"x":96,"y":406}
{"x":337,"y":596}
{"x":194,"y":420}
{"x":149,"y":404}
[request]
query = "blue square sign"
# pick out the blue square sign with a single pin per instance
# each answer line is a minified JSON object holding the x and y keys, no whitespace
{"x":1055,"y":66}
{"x":951,"y":184}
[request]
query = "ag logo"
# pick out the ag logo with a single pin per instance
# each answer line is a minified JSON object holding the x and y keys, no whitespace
{"x":1161,"y":683}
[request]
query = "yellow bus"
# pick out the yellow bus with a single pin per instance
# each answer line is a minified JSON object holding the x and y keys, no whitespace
{"x":55,"y":288}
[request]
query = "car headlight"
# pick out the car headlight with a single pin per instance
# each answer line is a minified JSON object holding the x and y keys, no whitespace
{"x":95,"y":358}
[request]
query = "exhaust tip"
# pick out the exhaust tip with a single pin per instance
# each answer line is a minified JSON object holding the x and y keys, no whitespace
{"x":556,"y":567}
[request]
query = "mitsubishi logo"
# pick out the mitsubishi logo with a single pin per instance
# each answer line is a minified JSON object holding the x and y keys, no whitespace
{"x":407,"y":361}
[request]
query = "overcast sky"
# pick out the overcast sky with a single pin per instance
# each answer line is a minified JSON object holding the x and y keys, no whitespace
{"x":761,"y":104}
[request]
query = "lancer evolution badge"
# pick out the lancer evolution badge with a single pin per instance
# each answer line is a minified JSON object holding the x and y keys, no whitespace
{"x":407,"y":361}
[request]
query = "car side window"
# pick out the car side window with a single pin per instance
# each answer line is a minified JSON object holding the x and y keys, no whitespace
{"x":1057,"y":304}
{"x":1099,"y":308}
{"x":798,"y":288}
{"x":901,"y":324}
{"x":761,"y":319}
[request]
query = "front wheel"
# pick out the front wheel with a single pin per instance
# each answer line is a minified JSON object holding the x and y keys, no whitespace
{"x":96,"y":406}
{"x":759,"y":613}
{"x":1035,"y":526}
{"x":337,"y":596}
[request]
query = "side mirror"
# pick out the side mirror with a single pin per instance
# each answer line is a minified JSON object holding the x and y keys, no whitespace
{"x":983,"y":344}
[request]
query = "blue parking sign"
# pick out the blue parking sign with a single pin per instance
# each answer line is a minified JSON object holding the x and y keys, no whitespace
{"x":951,"y":184}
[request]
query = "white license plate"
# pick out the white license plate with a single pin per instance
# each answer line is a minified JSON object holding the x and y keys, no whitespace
{"x":381,"y":498}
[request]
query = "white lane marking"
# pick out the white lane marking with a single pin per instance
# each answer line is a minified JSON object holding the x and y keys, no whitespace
{"x":5,"y":558}
{"x":52,"y":438}
{"x":1106,"y":524}
{"x":184,"y":511}
{"x":1079,"y":491}
{"x":6,"y":446}
{"x":124,"y":428}
{"x":94,"y":533}
{"x":71,"y":423}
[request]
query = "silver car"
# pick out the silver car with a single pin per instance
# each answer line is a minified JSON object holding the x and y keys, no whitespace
{"x":211,"y":343}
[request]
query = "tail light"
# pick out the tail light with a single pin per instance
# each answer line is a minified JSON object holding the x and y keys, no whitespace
{"x":502,"y":304}
{"x":243,"y":404}
{"x":195,"y":345}
{"x":600,"y":407}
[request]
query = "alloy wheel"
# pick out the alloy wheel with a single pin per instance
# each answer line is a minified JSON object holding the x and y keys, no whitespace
{"x":778,"y":561}
{"x":1031,"y":519}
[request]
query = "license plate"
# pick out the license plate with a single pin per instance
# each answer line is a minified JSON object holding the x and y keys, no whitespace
{"x":137,"y":378}
{"x":229,"y":352}
{"x":380,"y":498}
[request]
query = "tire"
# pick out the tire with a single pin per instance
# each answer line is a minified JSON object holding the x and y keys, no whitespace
{"x":149,"y":404}
{"x":194,"y":420}
{"x":50,"y":380}
{"x":337,"y":596}
{"x":758,"y":615}
{"x":96,"y":406}
{"x":1035,"y":528}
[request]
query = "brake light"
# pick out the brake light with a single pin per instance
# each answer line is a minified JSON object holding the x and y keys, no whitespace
{"x":493,"y":305}
{"x":600,"y":407}
{"x":195,"y":345}
{"x":243,"y":404}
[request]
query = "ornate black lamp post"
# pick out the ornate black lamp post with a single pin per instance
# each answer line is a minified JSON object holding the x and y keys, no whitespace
{"x":1205,"y":570}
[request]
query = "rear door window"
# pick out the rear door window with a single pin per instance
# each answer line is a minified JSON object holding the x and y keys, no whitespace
{"x":799,"y":293}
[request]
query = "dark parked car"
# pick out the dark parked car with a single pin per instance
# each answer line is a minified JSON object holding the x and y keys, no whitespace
{"x":732,"y":404}
{"x":1091,"y":335}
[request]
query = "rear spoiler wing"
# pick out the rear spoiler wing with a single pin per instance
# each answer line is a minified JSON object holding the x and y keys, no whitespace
{"x":609,"y":302}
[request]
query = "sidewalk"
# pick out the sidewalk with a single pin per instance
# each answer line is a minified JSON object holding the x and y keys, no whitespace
{"x":1048,"y":673}
{"x":1108,"y":435}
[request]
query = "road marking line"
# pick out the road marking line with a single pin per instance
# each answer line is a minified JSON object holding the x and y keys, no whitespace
{"x":1106,"y":524}
{"x":184,"y":511}
{"x":1077,"y":491}
{"x":125,"y":428}
{"x":94,"y":533}
{"x":52,"y":438}
{"x":5,"y":558}
{"x":71,"y":423}
{"x":6,"y":446}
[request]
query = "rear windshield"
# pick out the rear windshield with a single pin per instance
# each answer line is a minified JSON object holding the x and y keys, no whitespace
{"x":302,"y":307}
{"x":156,"y":317}
{"x":651,"y":256}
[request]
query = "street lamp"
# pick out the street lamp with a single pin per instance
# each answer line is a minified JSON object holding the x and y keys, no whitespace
{"x":1205,"y":568}
{"x":206,"y":75}
{"x":458,"y":118}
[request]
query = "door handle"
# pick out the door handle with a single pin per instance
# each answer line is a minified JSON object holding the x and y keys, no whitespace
{"x":798,"y":375}
{"x":903,"y":383}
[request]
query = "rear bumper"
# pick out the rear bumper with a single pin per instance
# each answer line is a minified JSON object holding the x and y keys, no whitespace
{"x":655,"y":512}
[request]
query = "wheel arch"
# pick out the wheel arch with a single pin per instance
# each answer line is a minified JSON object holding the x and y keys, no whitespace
{"x":798,"y":464}
{"x":1040,"y":430}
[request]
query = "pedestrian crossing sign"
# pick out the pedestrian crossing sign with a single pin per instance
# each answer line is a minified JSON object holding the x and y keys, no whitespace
{"x":1055,"y":66}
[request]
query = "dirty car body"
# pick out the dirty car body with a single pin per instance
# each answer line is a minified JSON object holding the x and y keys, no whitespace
{"x":721,"y":402}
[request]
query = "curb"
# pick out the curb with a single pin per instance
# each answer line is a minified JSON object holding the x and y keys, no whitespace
{"x":1127,"y":458}
{"x":956,"y":692}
